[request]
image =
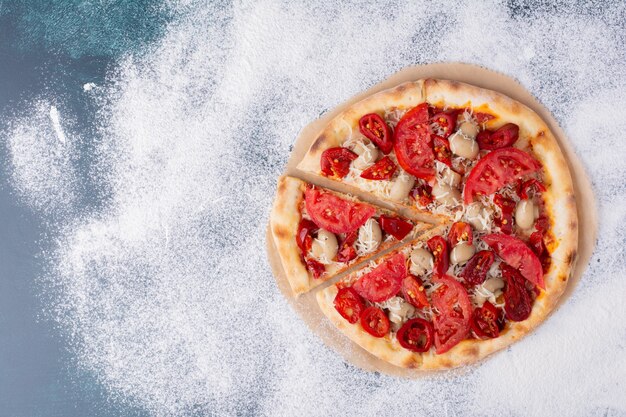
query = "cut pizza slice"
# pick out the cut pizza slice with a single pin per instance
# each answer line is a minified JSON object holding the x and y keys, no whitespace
{"x":319,"y":233}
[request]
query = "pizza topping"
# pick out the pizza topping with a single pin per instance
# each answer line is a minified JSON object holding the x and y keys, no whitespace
{"x":449,"y":177}
{"x":335,"y":162}
{"x":497,"y":169}
{"x":381,"y":170}
{"x":461,"y":253}
{"x":439,"y":248}
{"x":478,"y":216}
{"x":335,"y":214}
{"x":384,"y":281}
{"x":304,"y":237}
{"x":517,"y":302}
{"x":395,"y":226}
{"x":505,"y":221}
{"x":421,"y":261}
{"x":416,"y":335}
{"x":518,"y":255}
{"x":453,"y":313}
{"x":505,"y":136}
{"x":368,"y":154}
{"x":369,"y":238}
{"x":442,"y":150}
{"x":460,"y":232}
{"x":476,"y":269}
{"x":413,"y":143}
{"x":315,"y":267}
{"x":401,"y":186}
{"x":443,"y":123}
{"x":413,"y":291}
{"x":463,"y":146}
{"x":469,"y":129}
{"x":529,"y":188}
{"x":346,"y":251}
{"x":324,"y":247}
{"x":422,"y":194}
{"x":446,"y":195}
{"x":525,"y":214}
{"x":375,"y":129}
{"x":349,"y":304}
{"x":485,"y":321}
{"x":375,"y":321}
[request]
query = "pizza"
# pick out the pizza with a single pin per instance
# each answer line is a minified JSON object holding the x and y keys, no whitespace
{"x":489,"y":176}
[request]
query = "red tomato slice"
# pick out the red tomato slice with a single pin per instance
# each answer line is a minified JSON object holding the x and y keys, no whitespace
{"x":460,"y":232}
{"x":375,"y":321}
{"x":454,"y":312}
{"x":381,"y":170}
{"x":413,"y":291}
{"x":335,"y":214}
{"x":395,"y":226}
{"x":497,"y":169}
{"x":304,"y":238}
{"x":373,"y":127}
{"x":422,"y":193}
{"x":518,"y":255}
{"x":446,"y":122}
{"x":442,"y":150}
{"x":346,"y":251}
{"x":517,"y":302}
{"x":530,"y":187}
{"x":416,"y":335}
{"x":336,"y":161}
{"x":384,"y":281}
{"x":482,"y":117}
{"x":349,"y":304}
{"x":485,"y":321}
{"x":475,"y":271}
{"x":316,"y":268}
{"x":439,"y":247}
{"x":507,"y":206}
{"x":413,"y":144}
{"x":505,"y":136}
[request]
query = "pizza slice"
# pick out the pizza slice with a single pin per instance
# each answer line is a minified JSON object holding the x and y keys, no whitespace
{"x":319,"y":233}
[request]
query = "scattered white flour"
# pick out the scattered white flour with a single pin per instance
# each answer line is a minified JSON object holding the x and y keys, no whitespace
{"x":89,"y":86}
{"x":165,"y":294}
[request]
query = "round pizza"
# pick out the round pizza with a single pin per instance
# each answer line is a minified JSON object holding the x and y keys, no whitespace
{"x":500,"y":240}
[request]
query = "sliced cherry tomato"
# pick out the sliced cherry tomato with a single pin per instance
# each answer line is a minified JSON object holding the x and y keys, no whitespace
{"x":413,"y":144}
{"x":346,"y":251}
{"x":304,"y":238}
{"x":446,"y":122}
{"x":335,"y":214}
{"x":442,"y":150}
{"x":439,"y":247}
{"x":413,"y":291}
{"x":416,"y":335}
{"x":316,"y":268}
{"x":381,"y":170}
{"x":535,"y":241}
{"x":384,"y":281}
{"x":517,"y":301}
{"x":422,"y":193}
{"x":475,"y":271}
{"x":349,"y":304}
{"x":518,"y":255}
{"x":497,"y":169}
{"x":542,"y":223}
{"x":336,"y":161}
{"x":530,"y":187}
{"x":460,"y":232}
{"x":395,"y":226}
{"x":485,"y":321}
{"x":373,"y":127}
{"x":453,"y":313}
{"x":375,"y":321}
{"x":507,"y":207}
{"x":505,"y":136}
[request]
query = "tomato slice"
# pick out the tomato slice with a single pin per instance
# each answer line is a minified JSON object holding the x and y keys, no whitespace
{"x":304,"y":238}
{"x":439,"y":247}
{"x":384,"y":281}
{"x":346,"y":251}
{"x":395,"y":226}
{"x":422,"y":193}
{"x":518,"y":255}
{"x":381,"y":170}
{"x":530,"y":187}
{"x":335,"y":214}
{"x":349,"y":304}
{"x":517,"y":302}
{"x":485,"y":321}
{"x":316,"y":268}
{"x":497,"y":169}
{"x":507,"y":206}
{"x":460,"y":232}
{"x":416,"y":335}
{"x":373,"y":127}
{"x":413,"y":144}
{"x":375,"y":321}
{"x":482,"y":117}
{"x":445,"y":123}
{"x":442,"y":150}
{"x":475,"y":271}
{"x":535,"y":241}
{"x":413,"y":291}
{"x":336,"y":161}
{"x":505,"y":136}
{"x":453,"y":313}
